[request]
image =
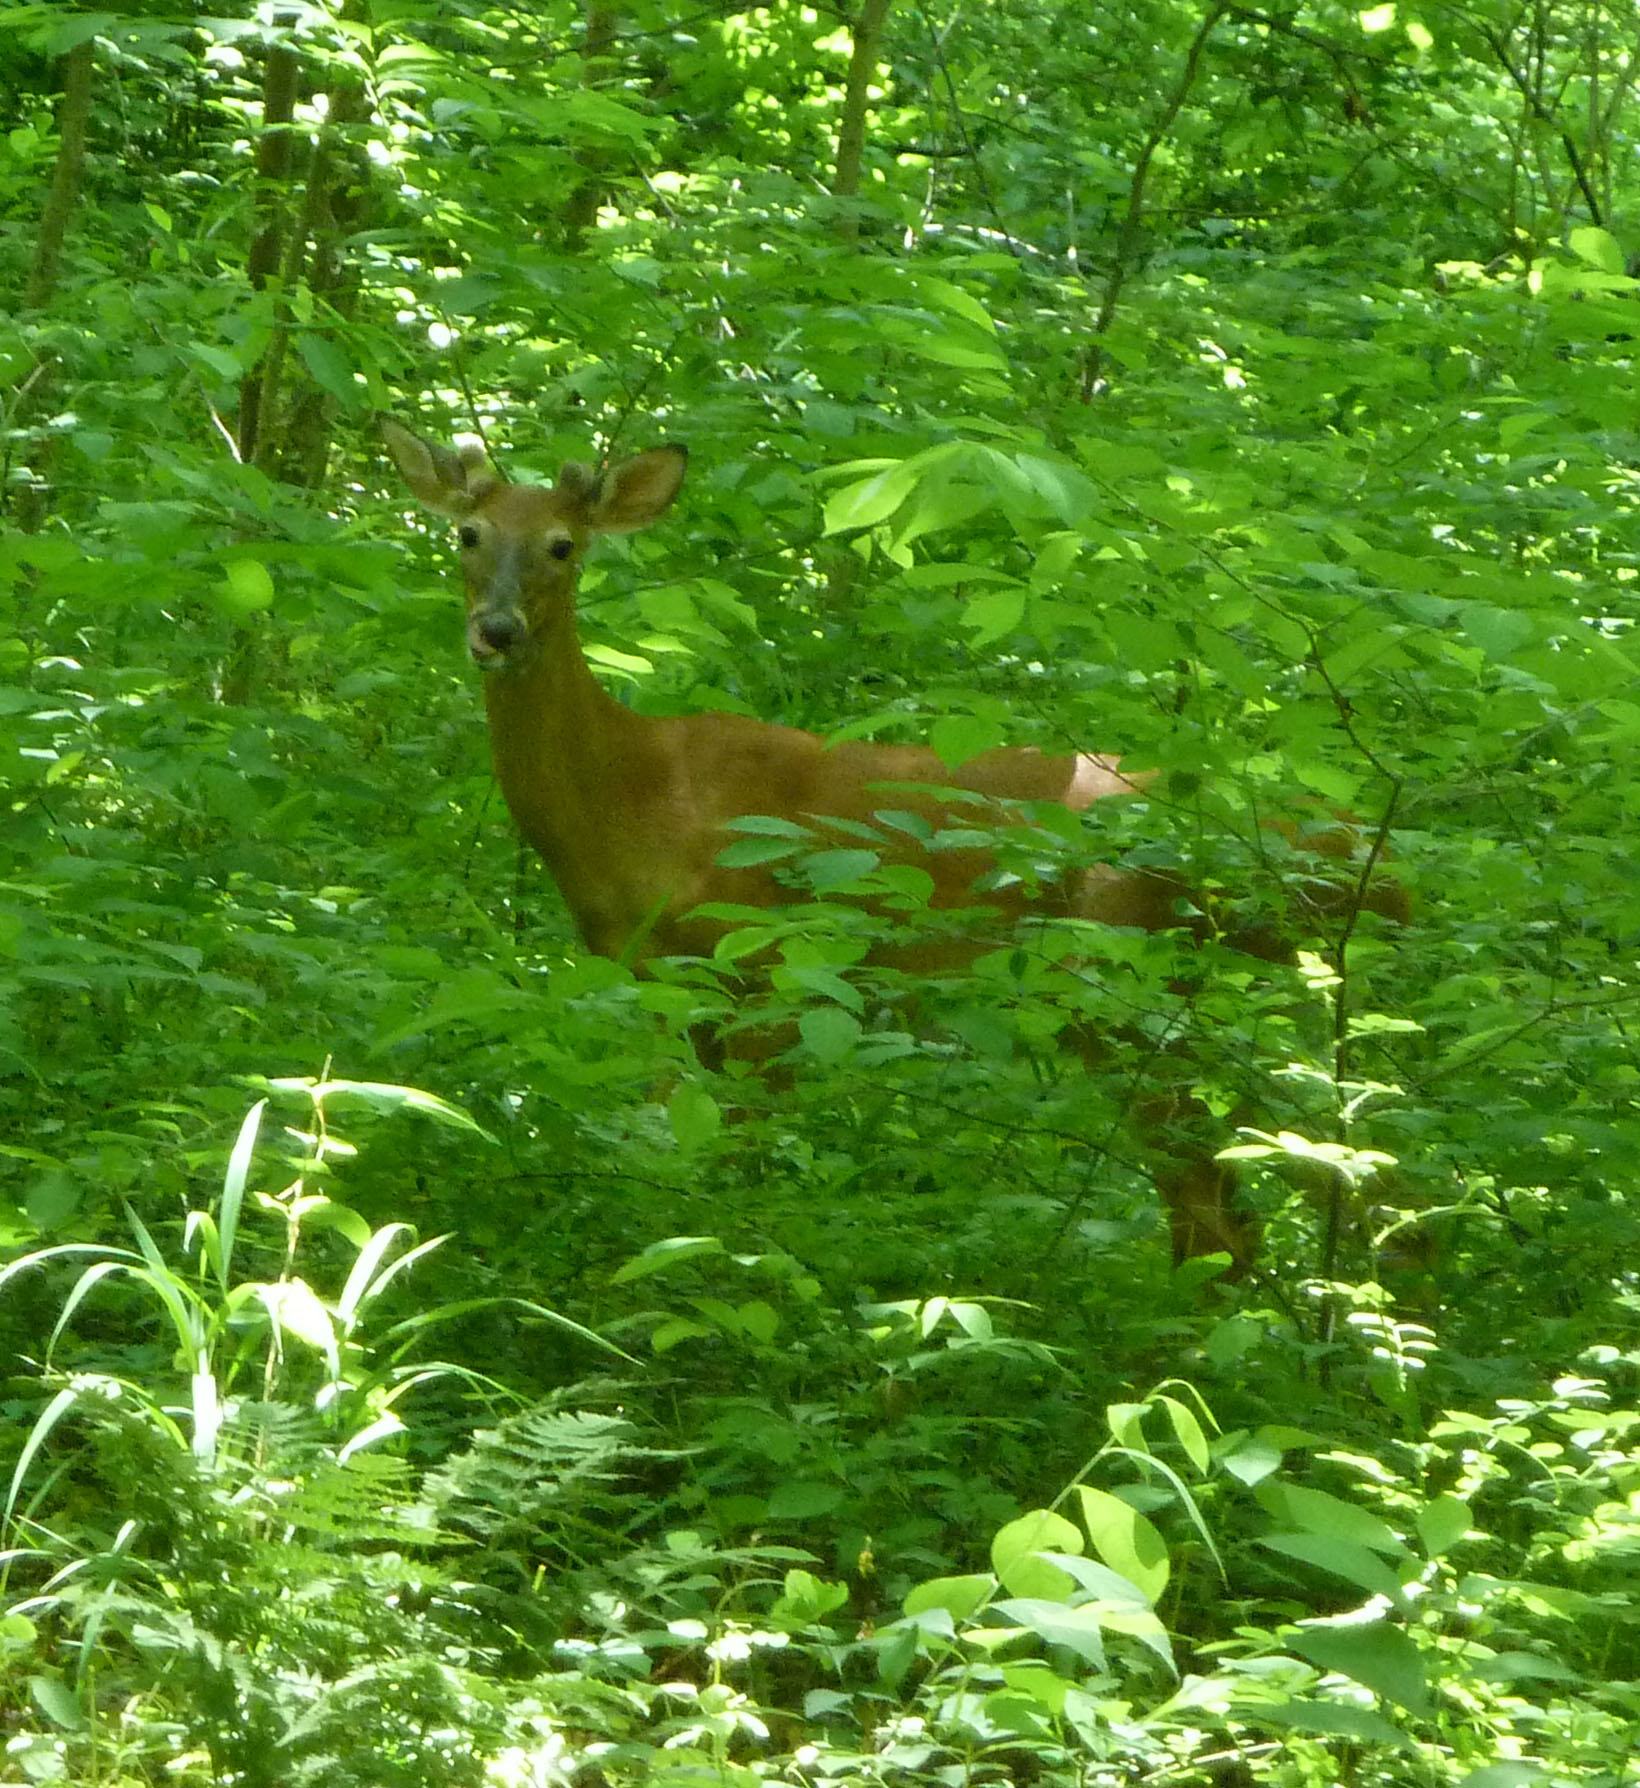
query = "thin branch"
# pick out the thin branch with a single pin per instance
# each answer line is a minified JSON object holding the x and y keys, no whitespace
{"x":1127,"y":242}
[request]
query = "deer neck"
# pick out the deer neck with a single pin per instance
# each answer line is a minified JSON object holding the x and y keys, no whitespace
{"x":562,"y":749}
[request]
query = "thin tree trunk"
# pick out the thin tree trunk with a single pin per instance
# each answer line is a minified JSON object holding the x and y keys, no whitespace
{"x":268,"y":252}
{"x":64,"y":195}
{"x":62,"y":199}
{"x":597,"y":66}
{"x":340,"y":196}
{"x":851,"y":132}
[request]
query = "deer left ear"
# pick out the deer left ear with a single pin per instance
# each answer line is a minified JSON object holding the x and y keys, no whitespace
{"x":638,"y":490}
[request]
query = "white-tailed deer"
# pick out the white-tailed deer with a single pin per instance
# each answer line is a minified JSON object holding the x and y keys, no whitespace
{"x":630,"y":812}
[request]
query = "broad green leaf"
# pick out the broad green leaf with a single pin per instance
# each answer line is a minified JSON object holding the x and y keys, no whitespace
{"x":806,"y":1600}
{"x":961,"y":1597}
{"x":1336,"y":1720}
{"x":870,"y":501}
{"x":958,"y":737}
{"x":694,"y":1115}
{"x":247,"y":587}
{"x":829,"y":1033}
{"x":1442,"y":1522}
{"x":750,"y":853}
{"x":1317,"y":1512}
{"x":1078,"y":1629}
{"x":1015,"y":1550}
{"x":990,"y":616}
{"x":1341,"y":1558}
{"x":1125,"y":1540}
{"x":1598,"y":247}
{"x":330,"y":369}
{"x":826,"y":870}
{"x":297,"y":1309}
{"x":1379,"y":1656}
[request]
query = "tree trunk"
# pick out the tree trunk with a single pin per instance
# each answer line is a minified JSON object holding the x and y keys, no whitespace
{"x":851,"y":132}
{"x":268,"y":253}
{"x":597,"y":66}
{"x":72,"y":114}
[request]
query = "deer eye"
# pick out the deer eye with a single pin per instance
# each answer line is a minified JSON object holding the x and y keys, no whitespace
{"x":468,"y":535}
{"x":561,"y":549}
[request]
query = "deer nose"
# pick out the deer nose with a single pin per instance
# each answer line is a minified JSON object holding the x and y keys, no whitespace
{"x":495,"y":633}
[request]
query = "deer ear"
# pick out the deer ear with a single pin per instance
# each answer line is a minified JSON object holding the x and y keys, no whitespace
{"x":638,"y":490}
{"x":448,"y":482}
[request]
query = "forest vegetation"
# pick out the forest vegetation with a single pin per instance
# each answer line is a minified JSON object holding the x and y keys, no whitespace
{"x":435,"y":1352}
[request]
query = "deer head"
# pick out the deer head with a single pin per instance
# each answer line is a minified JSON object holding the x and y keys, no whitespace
{"x":522,"y":544}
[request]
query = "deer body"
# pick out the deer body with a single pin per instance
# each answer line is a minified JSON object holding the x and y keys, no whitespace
{"x":630,"y":812}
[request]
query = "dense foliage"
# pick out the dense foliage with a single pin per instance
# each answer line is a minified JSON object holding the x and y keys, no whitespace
{"x":421,"y":1365}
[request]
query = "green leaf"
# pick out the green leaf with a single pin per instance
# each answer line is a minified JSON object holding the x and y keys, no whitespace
{"x":297,"y":1309}
{"x":233,"y":1192}
{"x":870,"y":501}
{"x":748,"y":853}
{"x":827,"y":870}
{"x":806,"y":1599}
{"x":1442,"y":1522}
{"x":58,"y":1702}
{"x":1499,"y":632}
{"x":247,"y":588}
{"x":961,"y":1597}
{"x":802,"y":1501}
{"x":958,"y":737}
{"x":1078,"y":1629}
{"x":769,"y":825}
{"x":1332,"y":1719}
{"x":1065,"y":490}
{"x":1341,"y":1558}
{"x":989,"y":617}
{"x":829,"y":1033}
{"x":1188,"y":1432}
{"x":1597,"y":247}
{"x":1314,"y":1511}
{"x":1379,"y":1656}
{"x":1125,"y":1540}
{"x":694,"y":1115}
{"x":330,"y":369}
{"x":1014,"y":1554}
{"x":660,"y":1257}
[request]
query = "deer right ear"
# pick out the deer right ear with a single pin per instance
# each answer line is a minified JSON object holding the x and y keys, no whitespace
{"x":448,"y":482}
